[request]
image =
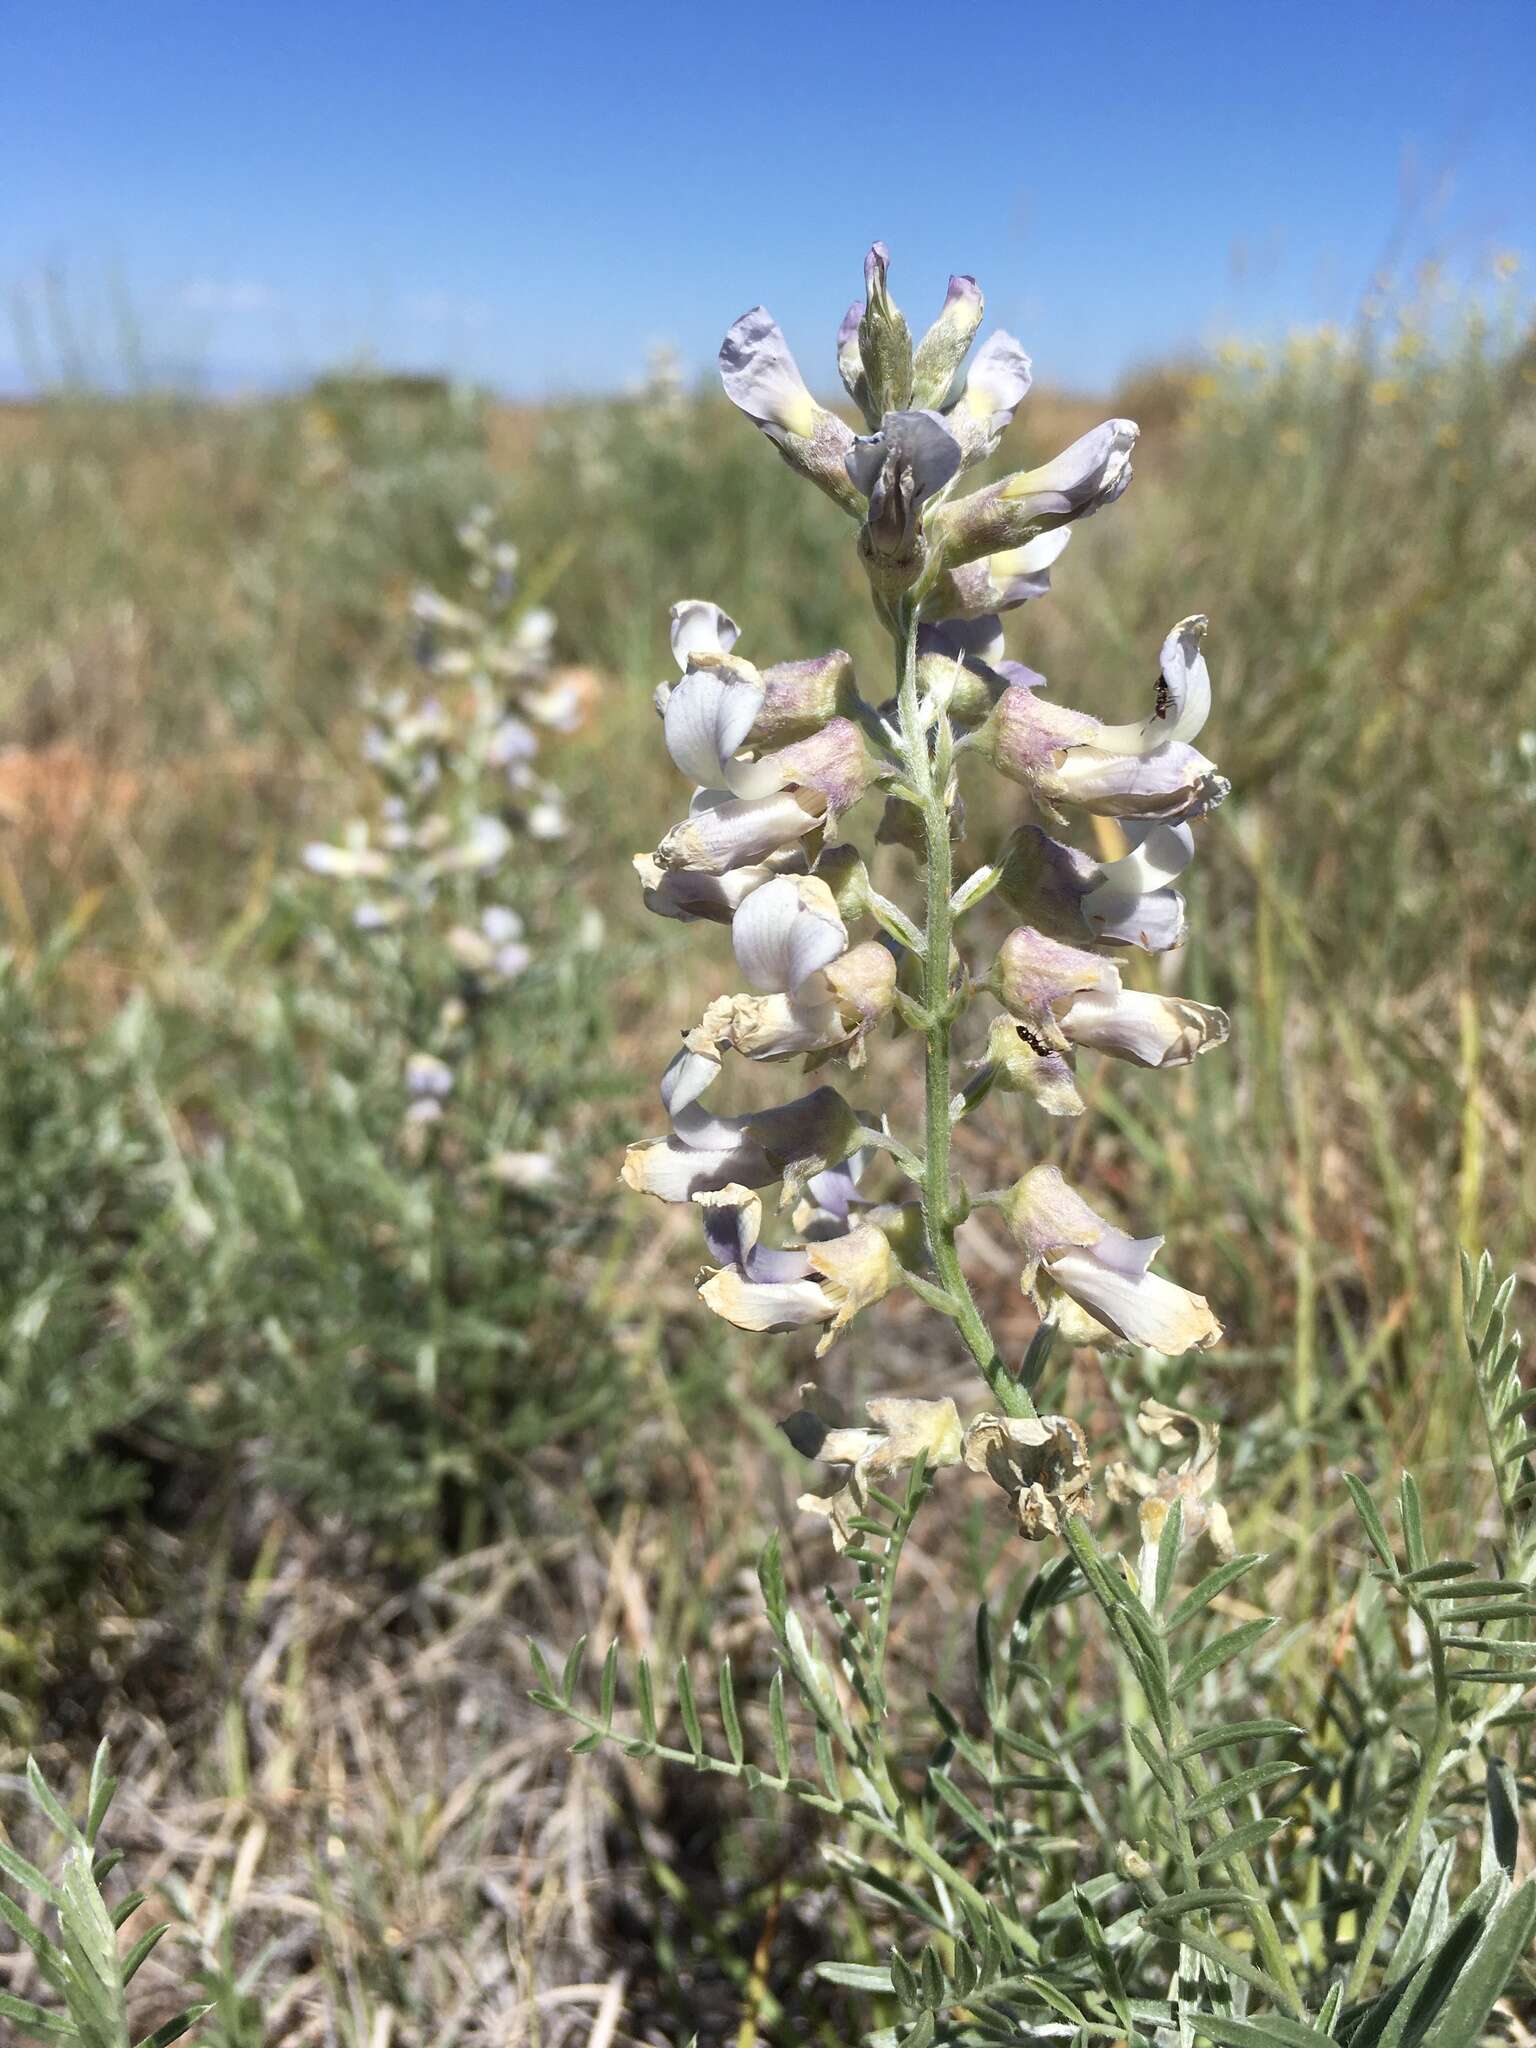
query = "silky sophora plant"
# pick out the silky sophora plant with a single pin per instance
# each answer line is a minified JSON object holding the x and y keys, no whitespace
{"x":1187,"y":1865}
{"x":780,"y":755}
{"x":434,"y":882}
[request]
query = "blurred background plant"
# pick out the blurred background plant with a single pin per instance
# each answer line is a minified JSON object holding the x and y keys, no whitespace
{"x":278,"y":1503}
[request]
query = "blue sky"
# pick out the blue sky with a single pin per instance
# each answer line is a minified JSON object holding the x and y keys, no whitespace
{"x":535,"y":196}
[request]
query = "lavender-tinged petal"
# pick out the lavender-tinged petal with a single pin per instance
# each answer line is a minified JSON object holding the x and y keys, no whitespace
{"x":1173,"y":783}
{"x":762,"y":378}
{"x":899,"y":468}
{"x":700,"y":627}
{"x":1142,"y":1309}
{"x":964,"y":638}
{"x":687,"y":1076}
{"x":995,"y":386}
{"x":1182,"y":702}
{"x":850,"y":364}
{"x":1149,"y":1030}
{"x":786,"y":931}
{"x":675,"y":1172}
{"x":707,"y":718}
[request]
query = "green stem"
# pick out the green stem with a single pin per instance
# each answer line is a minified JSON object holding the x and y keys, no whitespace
{"x":902,"y":1834}
{"x":929,"y":777}
{"x":1402,"y":1854}
{"x":1241,"y":1871}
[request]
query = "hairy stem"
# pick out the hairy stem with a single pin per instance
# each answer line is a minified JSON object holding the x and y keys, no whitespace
{"x":929,"y":773}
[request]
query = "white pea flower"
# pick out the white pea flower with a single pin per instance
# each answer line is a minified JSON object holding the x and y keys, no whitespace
{"x":722,"y":831}
{"x":813,"y":994}
{"x":1192,"y":1483}
{"x":1067,"y":997}
{"x":427,"y":1077}
{"x":525,"y":1171}
{"x":1147,"y":770}
{"x":485,"y":845}
{"x":376,"y":915}
{"x":991,"y":391}
{"x":1084,"y":478}
{"x":432,"y":609}
{"x":534,"y":634}
{"x":546,"y":819}
{"x":497,"y":949}
{"x":691,"y":894}
{"x":703,"y":1152}
{"x":513,"y":741}
{"x":558,"y":708}
{"x":1125,"y":902}
{"x":354,"y":860}
{"x":762,"y":378}
{"x":1070,"y":1249}
{"x":756,"y":1287}
{"x":904,"y":1428}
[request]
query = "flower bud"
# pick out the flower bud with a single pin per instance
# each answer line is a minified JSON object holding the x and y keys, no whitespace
{"x":885,"y":343}
{"x":844,"y":872}
{"x":943,"y":348}
{"x":800,"y":697}
{"x":913,"y":456}
{"x":834,"y":764}
{"x":850,"y":364}
{"x":901,"y":824}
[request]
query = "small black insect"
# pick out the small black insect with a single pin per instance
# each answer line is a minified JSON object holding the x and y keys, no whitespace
{"x":1034,"y":1041}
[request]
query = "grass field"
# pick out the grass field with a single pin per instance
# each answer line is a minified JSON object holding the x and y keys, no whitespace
{"x":305,"y":1432}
